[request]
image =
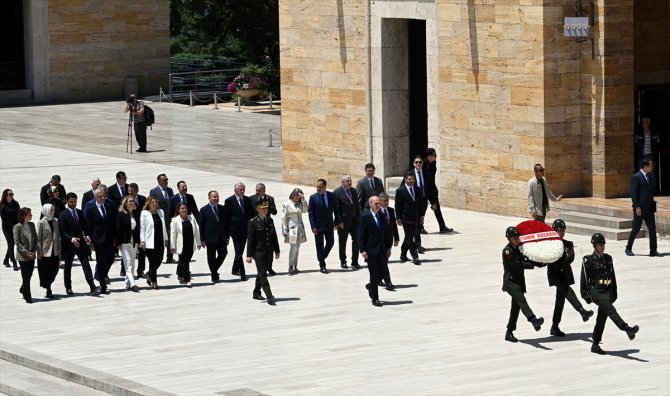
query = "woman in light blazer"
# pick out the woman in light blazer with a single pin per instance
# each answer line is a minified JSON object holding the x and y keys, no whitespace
{"x":293,"y":228}
{"x":128,"y":238}
{"x":153,"y":237}
{"x":184,"y":240}
{"x":25,"y":240}
{"x":49,"y":247}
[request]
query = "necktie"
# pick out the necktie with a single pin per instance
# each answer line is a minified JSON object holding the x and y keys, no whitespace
{"x":183,"y":199}
{"x":164,"y":193}
{"x":386,"y":215}
{"x":122,"y":190}
{"x":323,"y":200}
{"x":411,"y":192}
{"x":216,"y":212}
{"x":104,"y":212}
{"x":421,"y":181}
{"x":349,"y":196}
{"x":74,"y":215}
{"x":239,"y":200}
{"x":377,"y":220}
{"x":372,"y":184}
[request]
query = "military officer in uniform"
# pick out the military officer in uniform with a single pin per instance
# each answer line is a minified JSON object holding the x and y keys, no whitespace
{"x":598,"y":285}
{"x":262,"y":242}
{"x":560,"y":275}
{"x":514,"y":283}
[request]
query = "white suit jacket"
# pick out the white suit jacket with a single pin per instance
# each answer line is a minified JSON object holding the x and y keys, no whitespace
{"x":177,"y":233}
{"x":147,"y":228}
{"x":535,"y":196}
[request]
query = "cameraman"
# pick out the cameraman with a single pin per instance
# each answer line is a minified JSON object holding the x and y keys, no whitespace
{"x":137,"y":110}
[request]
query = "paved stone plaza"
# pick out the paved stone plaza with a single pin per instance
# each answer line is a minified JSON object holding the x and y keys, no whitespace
{"x":440,"y":333}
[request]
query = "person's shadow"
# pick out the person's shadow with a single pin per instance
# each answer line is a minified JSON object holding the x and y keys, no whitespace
{"x":539,"y":342}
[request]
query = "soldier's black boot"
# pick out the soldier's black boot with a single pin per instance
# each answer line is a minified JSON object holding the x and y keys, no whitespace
{"x":595,"y":348}
{"x":537,"y":323}
{"x":510,"y":337}
{"x":631,"y":331}
{"x":585,"y":314}
{"x":555,"y":331}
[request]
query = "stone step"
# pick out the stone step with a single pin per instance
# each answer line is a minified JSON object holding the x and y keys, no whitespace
{"x":392,"y":183}
{"x":614,"y":234}
{"x":596,"y":220}
{"x":21,"y":381}
{"x":564,"y":206}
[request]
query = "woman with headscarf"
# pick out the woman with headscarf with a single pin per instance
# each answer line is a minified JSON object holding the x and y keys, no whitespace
{"x":184,"y":240}
{"x":49,"y":247}
{"x":128,"y":238}
{"x":293,"y":228}
{"x":25,"y":240}
{"x":9,"y":212}
{"x":153,"y":237}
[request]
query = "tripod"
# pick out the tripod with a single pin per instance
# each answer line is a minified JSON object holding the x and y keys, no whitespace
{"x":129,"y":139}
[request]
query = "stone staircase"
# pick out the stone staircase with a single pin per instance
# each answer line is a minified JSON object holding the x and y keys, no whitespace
{"x":581,"y":219}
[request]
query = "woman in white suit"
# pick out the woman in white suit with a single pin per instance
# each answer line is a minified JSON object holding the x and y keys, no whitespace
{"x":293,"y":228}
{"x":184,"y":240}
{"x":153,"y":237}
{"x":48,"y":248}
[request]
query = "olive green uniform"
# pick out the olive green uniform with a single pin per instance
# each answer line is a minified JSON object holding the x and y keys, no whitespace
{"x":514,"y":283}
{"x":262,"y":244}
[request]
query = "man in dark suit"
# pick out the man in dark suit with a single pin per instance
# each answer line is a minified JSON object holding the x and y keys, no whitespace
{"x":262,"y":242}
{"x":118,"y":190}
{"x":422,"y":191}
{"x":238,"y":213}
{"x":323,"y":214}
{"x":642,"y":188}
{"x":89,"y":195}
{"x":184,"y":197}
{"x":368,"y":186}
{"x":432,"y":192}
{"x":262,"y":196}
{"x":44,"y":191}
{"x":163,"y":193}
{"x":388,"y":215}
{"x":214,"y":233}
{"x":408,"y":208}
{"x":100,"y":226}
{"x":374,"y":241}
{"x":140,"y":200}
{"x":75,"y":242}
{"x":346,"y":200}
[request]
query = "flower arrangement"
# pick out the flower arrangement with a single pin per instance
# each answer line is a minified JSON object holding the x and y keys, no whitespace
{"x":539,"y":242}
{"x":244,"y":82}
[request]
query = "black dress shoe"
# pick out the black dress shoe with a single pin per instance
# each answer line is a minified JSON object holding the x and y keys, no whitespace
{"x":390,"y":287}
{"x":107,"y":280}
{"x":344,"y":266}
{"x":69,"y":292}
{"x":585,"y":314}
{"x":510,"y":337}
{"x":421,"y":249}
{"x":272,"y":301}
{"x":323,"y":270}
{"x":403,"y":259}
{"x":122,"y":273}
{"x":654,"y":254}
{"x":258,"y":297}
{"x":537,"y":323}
{"x":215,"y":281}
{"x":141,"y":275}
{"x":416,"y":261}
{"x":104,"y":291}
{"x":376,"y":303}
{"x":95,"y":291}
{"x":595,"y":348}
{"x":29,"y":300}
{"x":555,"y":331}
{"x":381,"y":283}
{"x":49,"y":294}
{"x":628,"y":253}
{"x":272,"y":272}
{"x":423,"y":231}
{"x":235,"y":273}
{"x":243,"y":278}
{"x":631,"y":331}
{"x":355,"y":266}
{"x":169,"y":261}
{"x":446,"y":230}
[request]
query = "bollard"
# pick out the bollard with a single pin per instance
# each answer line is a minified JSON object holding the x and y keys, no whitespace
{"x":190,"y":98}
{"x":270,"y":100}
{"x":239,"y":104}
{"x":160,"y":95}
{"x":270,"y":138}
{"x":215,"y":104}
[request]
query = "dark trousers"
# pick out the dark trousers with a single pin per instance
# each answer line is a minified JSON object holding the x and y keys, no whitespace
{"x":27,"y":268}
{"x":263,"y":262}
{"x":601,"y":298}
{"x":342,"y":235}
{"x":155,"y":257}
{"x":47,"y":269}
{"x":82,"y":253}
{"x":322,"y":251}
{"x":650,"y":220}
{"x":386,"y":274}
{"x":141,"y":135}
{"x":141,"y":260}
{"x":438,"y":216}
{"x":9,"y":237}
{"x":104,"y":257}
{"x":564,"y":292}
{"x":169,"y":242}
{"x":375,"y":267}
{"x":519,"y":303}
{"x":409,"y":241}
{"x":239,"y":242}
{"x":184,"y":264}
{"x":216,"y":253}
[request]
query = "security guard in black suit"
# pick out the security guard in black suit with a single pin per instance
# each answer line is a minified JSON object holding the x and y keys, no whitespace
{"x":598,"y":285}
{"x":514,"y":283}
{"x":262,"y":242}
{"x":560,"y":275}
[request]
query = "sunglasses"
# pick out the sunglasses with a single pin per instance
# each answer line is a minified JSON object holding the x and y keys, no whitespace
{"x":418,"y":162}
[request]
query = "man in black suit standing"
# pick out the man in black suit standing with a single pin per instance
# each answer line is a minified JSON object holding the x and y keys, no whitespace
{"x":323,"y":214}
{"x":374,"y":241}
{"x":163,"y":193}
{"x":184,"y":197}
{"x":262,"y":196}
{"x":408,"y":207}
{"x":368,"y":186}
{"x":117,"y":191}
{"x":75,"y":242}
{"x":44,"y":191}
{"x":642,"y":188}
{"x":432,"y":192}
{"x":133,"y":190}
{"x":214,"y":233}
{"x":238,"y":213}
{"x":348,"y":206}
{"x":388,"y":215}
{"x":100,"y":226}
{"x":422,"y":191}
{"x":89,"y":195}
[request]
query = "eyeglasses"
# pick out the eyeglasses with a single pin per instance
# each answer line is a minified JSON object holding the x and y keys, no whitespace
{"x":418,"y":162}
{"x":11,"y":194}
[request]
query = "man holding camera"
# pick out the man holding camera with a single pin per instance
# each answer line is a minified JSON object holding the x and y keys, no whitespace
{"x":137,"y":111}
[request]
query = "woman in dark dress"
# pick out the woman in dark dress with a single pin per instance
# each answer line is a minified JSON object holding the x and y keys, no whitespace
{"x":9,"y":212}
{"x":25,"y":240}
{"x":49,"y":247}
{"x":184,"y":239}
{"x":153,"y":237}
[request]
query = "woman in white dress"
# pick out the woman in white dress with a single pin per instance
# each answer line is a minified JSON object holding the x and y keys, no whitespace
{"x":293,"y":228}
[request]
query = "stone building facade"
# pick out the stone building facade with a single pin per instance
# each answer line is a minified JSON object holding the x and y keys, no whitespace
{"x":493,"y":86}
{"x":77,"y":50}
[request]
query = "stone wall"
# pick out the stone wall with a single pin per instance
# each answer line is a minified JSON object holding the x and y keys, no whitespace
{"x":94,"y":45}
{"x":652,"y":52}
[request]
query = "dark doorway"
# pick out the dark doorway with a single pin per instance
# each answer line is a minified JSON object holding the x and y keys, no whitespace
{"x":653,"y":103}
{"x":12,"y":74}
{"x":418,"y":101}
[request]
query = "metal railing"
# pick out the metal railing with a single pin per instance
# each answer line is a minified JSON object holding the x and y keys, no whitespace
{"x":197,"y":82}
